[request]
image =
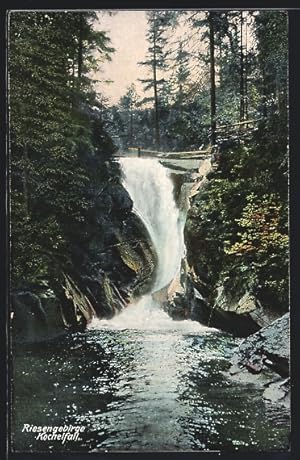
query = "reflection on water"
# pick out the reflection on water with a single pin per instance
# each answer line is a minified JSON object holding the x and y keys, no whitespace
{"x":142,"y":390}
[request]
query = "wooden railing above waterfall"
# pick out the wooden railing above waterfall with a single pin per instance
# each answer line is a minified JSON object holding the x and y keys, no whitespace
{"x":223,"y":132}
{"x":191,"y":154}
{"x":237,"y":128}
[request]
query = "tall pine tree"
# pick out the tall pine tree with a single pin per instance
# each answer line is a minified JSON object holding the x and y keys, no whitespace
{"x":158,"y":22}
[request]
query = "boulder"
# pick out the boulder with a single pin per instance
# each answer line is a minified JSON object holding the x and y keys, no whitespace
{"x":177,"y":308}
{"x":270,"y":346}
{"x":278,"y":392}
{"x":241,"y":316}
{"x":247,"y":305}
{"x":264,"y":358}
{"x":224,"y":313}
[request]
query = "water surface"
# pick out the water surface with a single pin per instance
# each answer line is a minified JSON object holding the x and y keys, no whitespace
{"x":144,"y":390}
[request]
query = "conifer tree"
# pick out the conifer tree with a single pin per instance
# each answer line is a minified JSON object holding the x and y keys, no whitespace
{"x":49,"y":130}
{"x":158,"y":22}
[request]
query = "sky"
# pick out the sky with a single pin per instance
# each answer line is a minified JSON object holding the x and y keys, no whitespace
{"x":127,"y":30}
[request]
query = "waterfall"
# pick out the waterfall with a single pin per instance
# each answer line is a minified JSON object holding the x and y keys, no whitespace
{"x":151,"y":190}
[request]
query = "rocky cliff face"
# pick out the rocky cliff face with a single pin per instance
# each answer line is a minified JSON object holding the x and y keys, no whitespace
{"x":241,"y":315}
{"x":264,"y":358}
{"x":228,"y":301}
{"x":112,"y":262}
{"x":201,"y":291}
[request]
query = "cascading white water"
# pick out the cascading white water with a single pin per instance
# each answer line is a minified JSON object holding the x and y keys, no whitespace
{"x":151,"y":189}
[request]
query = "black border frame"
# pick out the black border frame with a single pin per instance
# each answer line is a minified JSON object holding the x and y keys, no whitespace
{"x":294,"y":143}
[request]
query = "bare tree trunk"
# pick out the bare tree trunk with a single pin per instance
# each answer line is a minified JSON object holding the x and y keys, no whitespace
{"x":156,"y":109}
{"x":80,"y":45}
{"x":264,"y":95}
{"x":212,"y":78}
{"x":220,"y":66}
{"x":242,"y":95}
{"x":73,"y":84}
{"x":246,"y":71}
{"x":73,"y":73}
{"x":131,"y":124}
{"x":180,"y":93}
{"x":25,"y":181}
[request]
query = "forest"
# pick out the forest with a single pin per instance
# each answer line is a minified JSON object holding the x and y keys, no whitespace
{"x":62,"y":131}
{"x":213,"y":84}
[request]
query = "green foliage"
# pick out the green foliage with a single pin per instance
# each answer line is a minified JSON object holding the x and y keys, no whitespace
{"x":260,"y":232}
{"x":52,"y":133}
{"x":237,"y":228}
{"x":262,"y":248}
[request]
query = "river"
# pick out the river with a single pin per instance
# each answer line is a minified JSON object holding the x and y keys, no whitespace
{"x":141,"y":381}
{"x":142,"y":390}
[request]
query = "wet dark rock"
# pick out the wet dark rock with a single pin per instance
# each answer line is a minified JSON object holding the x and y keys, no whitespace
{"x":121,"y":201}
{"x":35,"y":318}
{"x":83,"y":309}
{"x":241,"y":316}
{"x":263,"y":358}
{"x":187,"y":303}
{"x":201,"y":308}
{"x":269,"y":345}
{"x":247,"y":306}
{"x":177,"y":308}
{"x":118,"y":263}
{"x":278,"y":391}
{"x":111,"y":260}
